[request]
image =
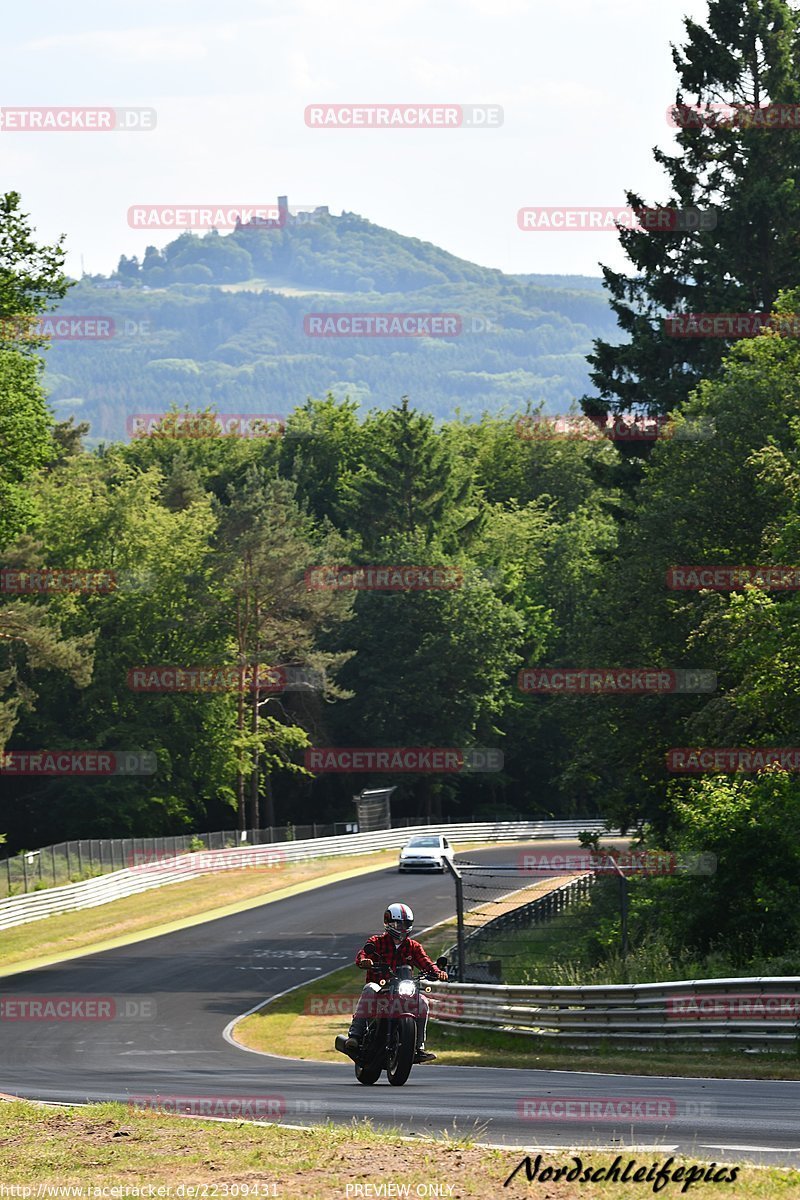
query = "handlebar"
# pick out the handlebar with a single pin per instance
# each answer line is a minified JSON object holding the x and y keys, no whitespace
{"x":385,"y":969}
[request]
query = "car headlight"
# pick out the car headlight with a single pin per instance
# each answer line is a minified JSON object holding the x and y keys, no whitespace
{"x":406,"y":988}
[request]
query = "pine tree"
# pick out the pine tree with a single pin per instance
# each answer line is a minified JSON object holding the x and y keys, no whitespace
{"x":748,"y":56}
{"x":408,"y":485}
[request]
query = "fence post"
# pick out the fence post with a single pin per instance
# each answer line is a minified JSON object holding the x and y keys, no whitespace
{"x":53,"y":852}
{"x":459,"y":917}
{"x":25,"y":872}
{"x":8,"y":872}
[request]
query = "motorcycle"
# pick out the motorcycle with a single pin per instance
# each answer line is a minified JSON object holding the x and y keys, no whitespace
{"x":390,"y":1040}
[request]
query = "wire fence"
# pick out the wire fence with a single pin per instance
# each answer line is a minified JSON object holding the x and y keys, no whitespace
{"x":498,"y":904}
{"x":73,"y":861}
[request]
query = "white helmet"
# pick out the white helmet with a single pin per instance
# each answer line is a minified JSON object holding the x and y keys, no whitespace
{"x":398,"y":920}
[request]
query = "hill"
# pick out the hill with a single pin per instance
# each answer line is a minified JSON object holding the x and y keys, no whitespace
{"x":224,"y":320}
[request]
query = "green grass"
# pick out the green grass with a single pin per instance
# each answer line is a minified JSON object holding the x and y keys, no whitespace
{"x":108,"y":1146}
{"x":172,"y":902}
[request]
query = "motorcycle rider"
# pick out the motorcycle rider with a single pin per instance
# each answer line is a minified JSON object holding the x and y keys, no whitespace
{"x":393,"y":948}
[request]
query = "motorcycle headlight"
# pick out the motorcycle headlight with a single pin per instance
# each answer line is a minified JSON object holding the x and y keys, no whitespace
{"x":406,"y":988}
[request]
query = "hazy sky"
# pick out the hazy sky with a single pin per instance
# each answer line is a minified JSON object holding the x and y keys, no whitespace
{"x":584,"y":85}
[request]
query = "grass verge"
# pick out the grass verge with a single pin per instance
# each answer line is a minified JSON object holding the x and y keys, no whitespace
{"x":207,"y":896}
{"x":92,"y":1150}
{"x":71,"y":932}
{"x":298,"y":1025}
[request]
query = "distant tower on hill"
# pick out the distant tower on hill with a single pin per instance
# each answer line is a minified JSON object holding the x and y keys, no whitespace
{"x":284,"y":217}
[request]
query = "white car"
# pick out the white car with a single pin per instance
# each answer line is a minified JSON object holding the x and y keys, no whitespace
{"x":425,"y":852}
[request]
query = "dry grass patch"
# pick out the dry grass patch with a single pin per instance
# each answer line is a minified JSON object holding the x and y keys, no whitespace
{"x":172,"y":902}
{"x":108,"y":1146}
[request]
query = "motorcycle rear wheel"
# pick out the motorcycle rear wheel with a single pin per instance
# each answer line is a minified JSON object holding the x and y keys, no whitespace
{"x":402,"y":1058}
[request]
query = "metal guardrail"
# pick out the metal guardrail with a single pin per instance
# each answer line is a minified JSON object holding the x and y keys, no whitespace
{"x":86,"y":858}
{"x":758,"y":1012}
{"x":173,"y":868}
{"x":543,"y":908}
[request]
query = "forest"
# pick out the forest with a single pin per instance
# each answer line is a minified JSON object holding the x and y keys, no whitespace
{"x":364,"y":577}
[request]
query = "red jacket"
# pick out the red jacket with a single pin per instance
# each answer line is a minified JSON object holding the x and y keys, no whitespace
{"x":387,"y":951}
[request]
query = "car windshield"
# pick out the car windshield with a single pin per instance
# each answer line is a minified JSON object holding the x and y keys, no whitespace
{"x":424,"y":841}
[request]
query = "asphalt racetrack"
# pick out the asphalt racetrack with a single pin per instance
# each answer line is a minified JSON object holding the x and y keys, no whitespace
{"x":201,"y":978}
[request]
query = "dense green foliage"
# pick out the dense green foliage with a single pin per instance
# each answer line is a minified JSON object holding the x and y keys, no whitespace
{"x":747,"y":55}
{"x":559,"y":547}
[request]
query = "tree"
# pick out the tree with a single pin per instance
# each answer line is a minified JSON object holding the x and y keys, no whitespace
{"x":128,"y":268}
{"x":679,"y":519}
{"x":264,"y":546}
{"x":747,"y":56}
{"x":31,"y":641}
{"x":409,"y":483}
{"x":430,"y":669}
{"x":750,"y":906}
{"x":25,"y":442}
{"x":321,"y":451}
{"x":31,"y":277}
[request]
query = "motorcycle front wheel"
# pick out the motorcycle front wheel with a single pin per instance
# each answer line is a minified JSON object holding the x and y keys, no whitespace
{"x":401,"y":1058}
{"x":369,"y":1074}
{"x":368,"y":1071}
